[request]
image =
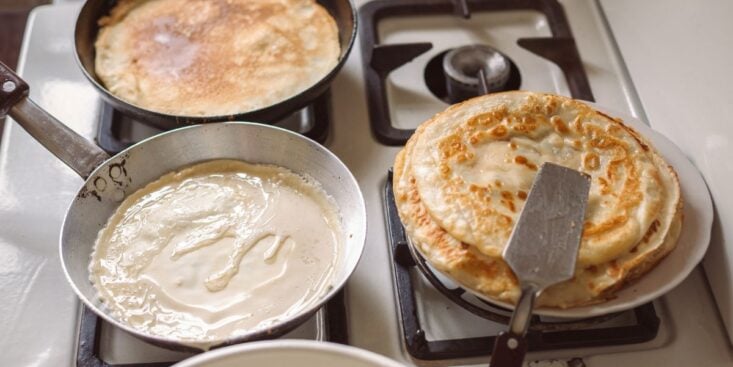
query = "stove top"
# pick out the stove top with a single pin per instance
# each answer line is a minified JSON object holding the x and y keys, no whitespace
{"x":42,"y":316}
{"x":518,"y":27}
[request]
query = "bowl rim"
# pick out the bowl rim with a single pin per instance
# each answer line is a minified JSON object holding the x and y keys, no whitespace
{"x":354,"y":353}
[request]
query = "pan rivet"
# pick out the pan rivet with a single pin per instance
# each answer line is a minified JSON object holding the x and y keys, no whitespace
{"x":8,"y":86}
{"x":512,"y":343}
{"x":115,"y":171}
{"x":100,"y":184}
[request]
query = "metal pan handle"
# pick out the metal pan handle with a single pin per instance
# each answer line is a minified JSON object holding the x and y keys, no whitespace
{"x":78,"y":153}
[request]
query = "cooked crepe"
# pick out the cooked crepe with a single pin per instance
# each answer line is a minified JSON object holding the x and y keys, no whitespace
{"x":486,"y":275}
{"x":209,"y":58}
{"x":475,"y":163}
{"x":479,"y":266}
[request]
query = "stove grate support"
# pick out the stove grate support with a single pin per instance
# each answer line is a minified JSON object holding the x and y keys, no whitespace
{"x":541,"y":336}
{"x":334,"y":325}
{"x":377,"y":64}
{"x":315,"y":122}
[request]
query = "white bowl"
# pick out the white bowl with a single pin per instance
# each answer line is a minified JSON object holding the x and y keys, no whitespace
{"x":289,"y":353}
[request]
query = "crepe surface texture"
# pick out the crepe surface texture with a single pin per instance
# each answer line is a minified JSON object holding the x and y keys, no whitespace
{"x":214,"y":58}
{"x":461,"y":181}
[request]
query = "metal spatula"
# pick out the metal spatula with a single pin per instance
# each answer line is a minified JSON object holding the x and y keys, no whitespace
{"x":542,"y":249}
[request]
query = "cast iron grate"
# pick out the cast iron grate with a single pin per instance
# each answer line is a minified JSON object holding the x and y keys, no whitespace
{"x":542,"y":335}
{"x":379,"y":60}
{"x":313,"y":121}
{"x":334,"y":325}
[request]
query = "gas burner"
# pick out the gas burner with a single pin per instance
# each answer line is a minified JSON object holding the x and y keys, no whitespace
{"x":475,"y":69}
{"x":455,"y":75}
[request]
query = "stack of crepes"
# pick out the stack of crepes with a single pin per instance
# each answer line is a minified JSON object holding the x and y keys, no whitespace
{"x":461,"y":181}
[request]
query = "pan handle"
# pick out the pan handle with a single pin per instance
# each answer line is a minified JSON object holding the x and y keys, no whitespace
{"x":78,"y":153}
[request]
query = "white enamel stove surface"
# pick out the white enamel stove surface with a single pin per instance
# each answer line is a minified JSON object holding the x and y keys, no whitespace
{"x":684,"y":79}
{"x":39,"y":311}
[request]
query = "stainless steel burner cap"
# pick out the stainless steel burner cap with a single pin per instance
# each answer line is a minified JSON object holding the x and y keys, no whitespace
{"x":462,"y":65}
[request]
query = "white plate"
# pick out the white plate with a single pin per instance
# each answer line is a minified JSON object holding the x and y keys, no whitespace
{"x":289,"y":353}
{"x":673,"y":269}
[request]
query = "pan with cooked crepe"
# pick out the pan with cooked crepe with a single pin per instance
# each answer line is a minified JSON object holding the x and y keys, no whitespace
{"x":169,"y":63}
{"x":210,"y":58}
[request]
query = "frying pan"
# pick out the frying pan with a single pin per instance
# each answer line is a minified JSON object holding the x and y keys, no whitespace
{"x":108,"y":180}
{"x":343,"y":12}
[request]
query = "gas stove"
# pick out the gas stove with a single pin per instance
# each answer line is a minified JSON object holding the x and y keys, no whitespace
{"x":392,"y":82}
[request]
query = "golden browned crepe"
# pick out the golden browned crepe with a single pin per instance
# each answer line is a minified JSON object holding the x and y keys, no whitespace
{"x":214,"y":57}
{"x":461,"y":180}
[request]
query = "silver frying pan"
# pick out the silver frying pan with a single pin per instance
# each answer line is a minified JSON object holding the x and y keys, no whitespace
{"x":108,"y":180}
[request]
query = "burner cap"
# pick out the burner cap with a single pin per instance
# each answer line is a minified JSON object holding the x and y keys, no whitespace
{"x":462,"y":66}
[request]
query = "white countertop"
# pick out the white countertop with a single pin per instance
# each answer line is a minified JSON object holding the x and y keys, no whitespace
{"x":680,"y":57}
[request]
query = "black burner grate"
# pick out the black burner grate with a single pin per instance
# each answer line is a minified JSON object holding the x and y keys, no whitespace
{"x":313,"y":121}
{"x":379,"y":60}
{"x":541,"y":336}
{"x":88,"y":352}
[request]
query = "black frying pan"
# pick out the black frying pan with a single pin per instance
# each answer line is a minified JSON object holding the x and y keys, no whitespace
{"x":85,"y":35}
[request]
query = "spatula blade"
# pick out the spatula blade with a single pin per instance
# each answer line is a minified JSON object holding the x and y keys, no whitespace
{"x":544,"y":244}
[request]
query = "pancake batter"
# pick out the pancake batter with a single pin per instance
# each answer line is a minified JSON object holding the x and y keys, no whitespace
{"x":216,"y":250}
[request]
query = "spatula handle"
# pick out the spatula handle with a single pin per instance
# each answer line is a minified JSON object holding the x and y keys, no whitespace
{"x":509,"y":350}
{"x":511,"y":346}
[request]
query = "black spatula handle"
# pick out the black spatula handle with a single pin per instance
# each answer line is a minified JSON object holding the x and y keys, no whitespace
{"x":511,"y":346}
{"x":509,"y":350}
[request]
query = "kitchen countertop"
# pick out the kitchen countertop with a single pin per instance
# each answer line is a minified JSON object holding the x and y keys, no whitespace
{"x":12,"y":24}
{"x":679,"y":56}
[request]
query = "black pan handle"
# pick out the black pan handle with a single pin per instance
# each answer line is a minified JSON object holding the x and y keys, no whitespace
{"x":78,"y":153}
